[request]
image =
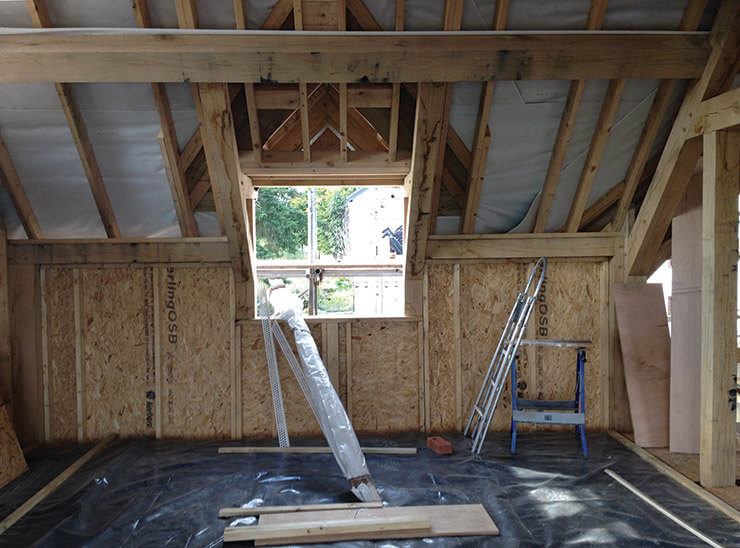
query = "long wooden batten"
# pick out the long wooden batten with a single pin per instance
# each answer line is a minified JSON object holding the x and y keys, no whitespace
{"x":144,"y":55}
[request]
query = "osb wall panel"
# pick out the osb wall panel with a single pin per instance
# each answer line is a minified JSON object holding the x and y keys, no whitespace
{"x":257,"y":410}
{"x":195,"y":355}
{"x":11,"y":455}
{"x":487,"y":293}
{"x":385,"y":376}
{"x":60,"y":334}
{"x":441,"y":334}
{"x":567,"y":307}
{"x":118,"y":367}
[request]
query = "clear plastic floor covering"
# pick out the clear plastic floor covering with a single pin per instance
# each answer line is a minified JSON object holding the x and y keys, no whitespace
{"x":168,"y":493}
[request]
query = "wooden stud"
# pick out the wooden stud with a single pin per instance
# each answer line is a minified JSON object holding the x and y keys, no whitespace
{"x":457,"y":345}
{"x":79,"y":356}
{"x":6,"y":362}
{"x":235,"y":354}
{"x":348,"y":353}
{"x":423,"y":396}
{"x":187,"y":14}
{"x":565,"y":130}
{"x":203,"y":57}
{"x":305,"y":131}
{"x":400,"y":14}
{"x":690,"y":21}
{"x":341,"y":14}
{"x":393,"y":128}
{"x":254,"y":122}
{"x":681,"y":153}
{"x":12,"y":183}
{"x":230,"y":188}
{"x":475,"y":182}
{"x":604,"y":343}
{"x":719,"y":315}
{"x":50,"y":487}
{"x":45,"y":355}
{"x":595,"y":151}
{"x":426,"y":354}
{"x":332,"y":352}
{"x":159,"y":399}
{"x":343,"y":121}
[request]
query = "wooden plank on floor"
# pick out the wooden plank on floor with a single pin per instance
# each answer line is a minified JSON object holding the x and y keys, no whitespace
{"x":447,"y":520}
{"x":52,"y":485}
{"x":263,"y":510}
{"x":646,"y":350}
{"x":314,"y":450}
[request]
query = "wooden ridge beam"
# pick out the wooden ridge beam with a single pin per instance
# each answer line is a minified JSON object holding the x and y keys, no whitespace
{"x":230,"y":188}
{"x":565,"y":130}
{"x":690,"y":21}
{"x":40,"y":17}
{"x":143,"y":251}
{"x":681,"y":153}
{"x":595,"y":152}
{"x":521,"y":246}
{"x":12,"y":182}
{"x":430,"y":106}
{"x":199,"y":56}
{"x":481,"y":139}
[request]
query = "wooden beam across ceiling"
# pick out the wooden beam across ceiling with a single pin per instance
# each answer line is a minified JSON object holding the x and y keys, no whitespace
{"x":71,"y":109}
{"x":119,"y":55}
{"x":682,"y":152}
{"x":168,"y":143}
{"x":690,"y":21}
{"x":481,"y":139}
{"x":718,"y":113}
{"x":567,"y":123}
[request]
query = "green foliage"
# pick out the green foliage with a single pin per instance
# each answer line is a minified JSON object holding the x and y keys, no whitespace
{"x":332,"y":218}
{"x":281,"y":223}
{"x":336,"y":295}
{"x":282,"y":217}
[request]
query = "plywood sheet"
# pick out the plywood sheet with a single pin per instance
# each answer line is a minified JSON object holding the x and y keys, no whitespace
{"x":11,"y":456}
{"x":62,"y":389}
{"x":441,"y":334}
{"x":487,"y":294}
{"x":643,"y":334}
{"x":195,"y":354}
{"x":568,"y":308}
{"x":118,"y":367}
{"x":385,"y":376}
{"x":447,"y":520}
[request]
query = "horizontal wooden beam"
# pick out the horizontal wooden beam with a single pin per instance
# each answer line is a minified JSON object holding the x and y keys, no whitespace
{"x":325,"y":163}
{"x":522,"y":246}
{"x":119,"y":251}
{"x":717,"y":113}
{"x":328,"y":179}
{"x":178,"y":55}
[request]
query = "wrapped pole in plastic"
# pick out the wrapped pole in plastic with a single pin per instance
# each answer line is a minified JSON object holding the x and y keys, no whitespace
{"x":332,"y":417}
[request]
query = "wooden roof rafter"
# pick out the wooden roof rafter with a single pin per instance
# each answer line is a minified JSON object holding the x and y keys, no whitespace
{"x":12,"y":182}
{"x":690,"y":21}
{"x":565,"y":130}
{"x":184,"y":207}
{"x":682,"y":149}
{"x":481,"y":139}
{"x":70,"y":107}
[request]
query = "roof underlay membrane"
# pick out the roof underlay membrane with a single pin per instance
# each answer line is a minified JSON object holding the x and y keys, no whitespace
{"x":123,"y":124}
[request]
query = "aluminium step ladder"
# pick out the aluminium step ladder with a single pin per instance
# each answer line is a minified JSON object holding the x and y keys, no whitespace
{"x":505,"y":354}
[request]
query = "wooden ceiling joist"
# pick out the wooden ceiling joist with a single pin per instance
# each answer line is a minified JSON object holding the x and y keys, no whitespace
{"x":690,"y":21}
{"x":230,"y":188}
{"x":681,"y":151}
{"x":40,"y":17}
{"x":595,"y":151}
{"x":118,"y":55}
{"x":167,"y":139}
{"x":12,"y":182}
{"x":565,"y":130}
{"x":481,"y":139}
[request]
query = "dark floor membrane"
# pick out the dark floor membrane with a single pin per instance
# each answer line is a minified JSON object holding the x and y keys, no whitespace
{"x":168,"y":493}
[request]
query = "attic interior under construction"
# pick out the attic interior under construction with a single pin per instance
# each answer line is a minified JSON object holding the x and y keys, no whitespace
{"x":155,"y":155}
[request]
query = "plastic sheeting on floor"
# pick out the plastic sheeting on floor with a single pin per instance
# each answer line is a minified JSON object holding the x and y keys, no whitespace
{"x":168,"y":493}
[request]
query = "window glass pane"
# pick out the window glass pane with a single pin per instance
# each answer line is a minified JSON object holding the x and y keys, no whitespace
{"x":375,"y":225}
{"x":282,"y":223}
{"x":336,"y":296}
